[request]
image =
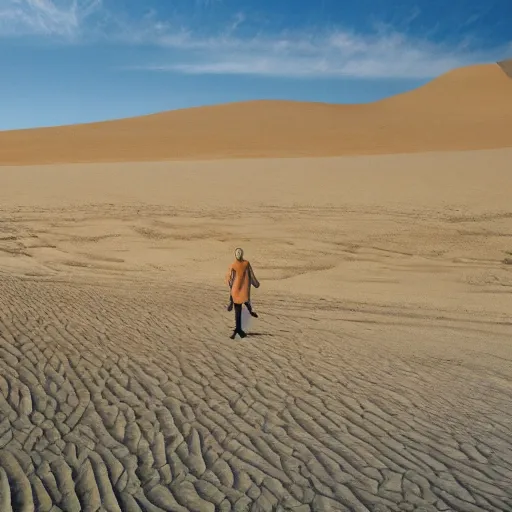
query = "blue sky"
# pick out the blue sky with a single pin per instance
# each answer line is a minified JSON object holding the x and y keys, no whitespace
{"x":68,"y":61}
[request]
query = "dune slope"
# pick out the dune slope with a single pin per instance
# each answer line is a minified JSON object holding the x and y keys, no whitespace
{"x":468,"y":108}
{"x":506,"y":65}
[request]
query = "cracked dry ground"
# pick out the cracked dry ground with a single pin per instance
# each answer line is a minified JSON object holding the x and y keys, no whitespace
{"x":111,"y":399}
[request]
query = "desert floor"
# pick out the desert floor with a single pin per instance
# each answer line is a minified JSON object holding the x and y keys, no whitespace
{"x":378,"y":376}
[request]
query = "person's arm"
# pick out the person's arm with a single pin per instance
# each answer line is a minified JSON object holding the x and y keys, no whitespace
{"x":230,"y":277}
{"x":254,"y":281}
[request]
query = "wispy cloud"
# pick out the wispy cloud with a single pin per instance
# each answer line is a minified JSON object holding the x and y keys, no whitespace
{"x":45,"y":17}
{"x":338,"y":53}
{"x":385,"y":53}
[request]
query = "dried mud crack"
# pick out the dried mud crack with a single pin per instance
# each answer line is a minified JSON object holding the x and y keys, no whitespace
{"x":132,"y":398}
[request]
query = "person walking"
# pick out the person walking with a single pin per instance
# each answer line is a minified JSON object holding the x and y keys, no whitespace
{"x":240,"y":278}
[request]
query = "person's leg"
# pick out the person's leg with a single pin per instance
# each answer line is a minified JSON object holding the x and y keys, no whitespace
{"x":238,"y":317}
{"x":249,"y":308}
{"x":238,"y":322}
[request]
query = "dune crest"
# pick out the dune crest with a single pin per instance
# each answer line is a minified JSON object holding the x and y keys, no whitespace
{"x":468,"y":108}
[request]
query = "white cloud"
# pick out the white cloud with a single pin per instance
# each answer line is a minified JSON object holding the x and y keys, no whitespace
{"x":336,"y":53}
{"x":45,"y":17}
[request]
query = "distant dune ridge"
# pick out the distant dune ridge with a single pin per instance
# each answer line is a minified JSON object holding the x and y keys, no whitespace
{"x":506,"y":65}
{"x":467,"y":108}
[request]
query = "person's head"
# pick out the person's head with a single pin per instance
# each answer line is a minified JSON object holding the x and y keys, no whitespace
{"x":239,"y":254}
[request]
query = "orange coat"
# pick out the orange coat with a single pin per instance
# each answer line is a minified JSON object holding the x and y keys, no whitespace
{"x":240,"y":278}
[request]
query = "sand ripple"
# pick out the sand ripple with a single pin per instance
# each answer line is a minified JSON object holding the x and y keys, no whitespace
{"x":112,"y":400}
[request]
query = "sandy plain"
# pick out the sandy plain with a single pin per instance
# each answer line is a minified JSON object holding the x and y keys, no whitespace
{"x":377,"y":378}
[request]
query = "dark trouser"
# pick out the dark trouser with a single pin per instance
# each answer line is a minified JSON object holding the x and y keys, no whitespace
{"x":238,"y":317}
{"x":247,"y":304}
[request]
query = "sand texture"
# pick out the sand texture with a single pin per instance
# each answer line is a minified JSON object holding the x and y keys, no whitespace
{"x":466,"y":109}
{"x":377,"y":378}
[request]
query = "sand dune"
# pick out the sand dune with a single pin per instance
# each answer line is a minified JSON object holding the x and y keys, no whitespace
{"x":506,"y":65}
{"x":468,"y":108}
{"x":377,"y":378}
